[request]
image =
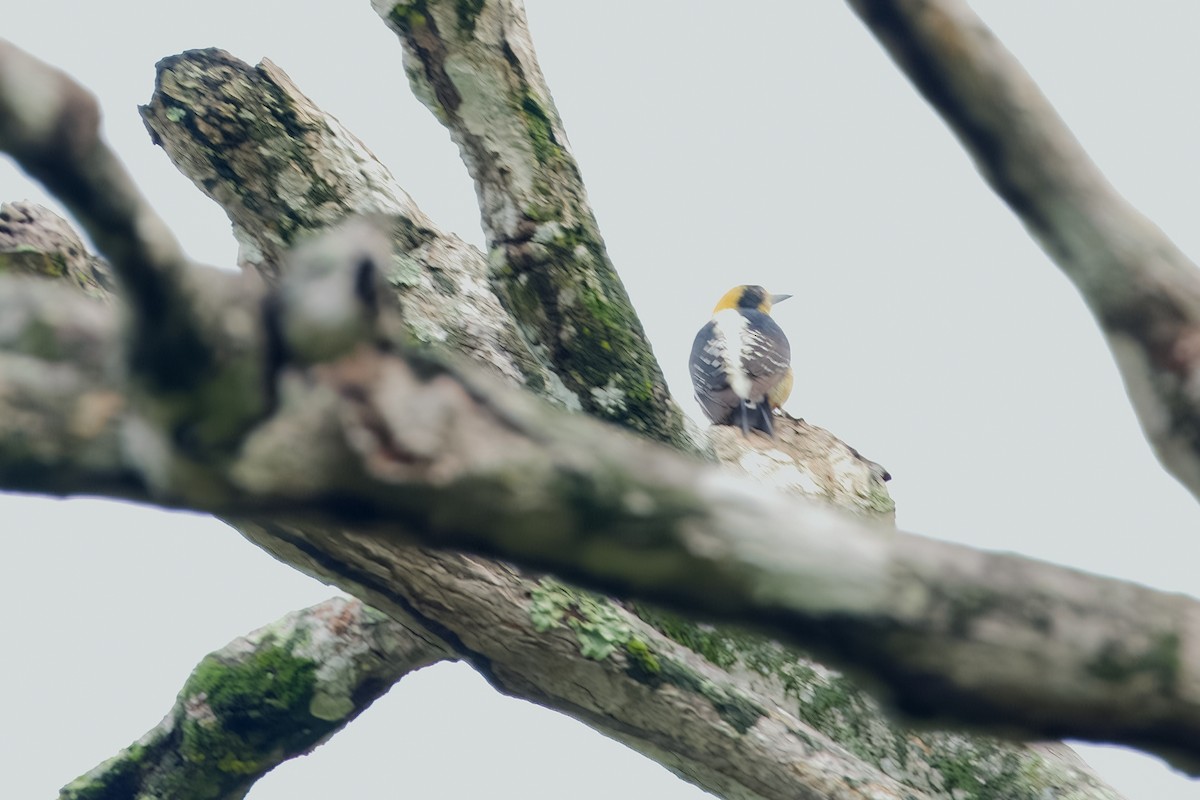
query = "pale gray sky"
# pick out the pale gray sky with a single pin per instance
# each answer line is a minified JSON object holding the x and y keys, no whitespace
{"x":766,"y":142}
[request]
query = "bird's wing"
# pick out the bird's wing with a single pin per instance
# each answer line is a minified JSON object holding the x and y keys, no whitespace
{"x":708,"y":376}
{"x":766,"y":352}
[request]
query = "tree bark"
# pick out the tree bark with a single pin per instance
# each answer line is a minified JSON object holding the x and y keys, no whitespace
{"x":473,"y":65}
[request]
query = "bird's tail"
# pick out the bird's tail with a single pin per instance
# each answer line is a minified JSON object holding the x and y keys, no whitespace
{"x":756,"y":416}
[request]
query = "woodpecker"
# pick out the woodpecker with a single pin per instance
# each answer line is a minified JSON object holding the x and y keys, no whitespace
{"x":741,"y":361}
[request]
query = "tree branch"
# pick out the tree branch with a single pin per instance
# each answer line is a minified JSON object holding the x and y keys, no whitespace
{"x":957,"y":634}
{"x":264,"y":698}
{"x":36,"y":241}
{"x":473,"y":65}
{"x":1143,"y":291}
{"x":51,"y":126}
{"x":397,"y":446}
{"x":738,"y":716}
{"x":297,"y":170}
{"x":575,"y":652}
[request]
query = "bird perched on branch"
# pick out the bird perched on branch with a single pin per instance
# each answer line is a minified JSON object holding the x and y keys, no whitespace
{"x":741,"y":361}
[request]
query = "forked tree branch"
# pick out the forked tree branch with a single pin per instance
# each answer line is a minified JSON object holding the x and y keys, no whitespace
{"x":186,"y":347}
{"x":546,"y":643}
{"x":1143,"y":291}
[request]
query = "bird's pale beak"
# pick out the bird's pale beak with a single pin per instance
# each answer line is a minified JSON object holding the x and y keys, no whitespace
{"x":779,"y":298}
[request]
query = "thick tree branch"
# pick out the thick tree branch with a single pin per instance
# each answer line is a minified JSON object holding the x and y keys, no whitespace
{"x":794,"y":730}
{"x":262,"y":699}
{"x":473,"y":65}
{"x":51,"y":126}
{"x":1143,"y":291}
{"x":587,"y":657}
{"x":400,"y":447}
{"x":739,"y":716}
{"x":982,"y":638}
{"x":35,"y":241}
{"x":296,"y":170}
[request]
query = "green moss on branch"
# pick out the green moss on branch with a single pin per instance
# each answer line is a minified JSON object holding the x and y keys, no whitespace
{"x":238,"y":714}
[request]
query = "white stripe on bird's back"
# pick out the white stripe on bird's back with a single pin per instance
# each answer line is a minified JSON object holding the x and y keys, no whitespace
{"x":734,"y":344}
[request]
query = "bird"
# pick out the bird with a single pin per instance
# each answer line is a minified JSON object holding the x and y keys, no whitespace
{"x":741,"y":361}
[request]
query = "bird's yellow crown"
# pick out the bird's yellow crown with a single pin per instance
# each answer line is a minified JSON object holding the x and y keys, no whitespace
{"x":750,"y":296}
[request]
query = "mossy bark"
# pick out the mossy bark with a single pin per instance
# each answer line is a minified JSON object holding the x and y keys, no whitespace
{"x":264,"y":698}
{"x":473,"y":66}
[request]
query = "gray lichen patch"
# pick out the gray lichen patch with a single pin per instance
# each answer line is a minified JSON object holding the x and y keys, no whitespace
{"x":610,"y":398}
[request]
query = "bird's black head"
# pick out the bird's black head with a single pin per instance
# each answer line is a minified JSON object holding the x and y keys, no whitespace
{"x":753,"y":296}
{"x":749,"y":297}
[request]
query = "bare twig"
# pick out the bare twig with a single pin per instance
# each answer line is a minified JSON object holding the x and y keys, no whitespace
{"x":1143,"y":291}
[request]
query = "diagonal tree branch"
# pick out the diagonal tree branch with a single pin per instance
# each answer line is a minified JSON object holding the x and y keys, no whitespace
{"x":35,"y":241}
{"x":1143,"y":291}
{"x":735,"y":714}
{"x":473,"y":65}
{"x":51,"y":126}
{"x":956,"y":634}
{"x":296,"y":170}
{"x":775,"y":754}
{"x":264,"y":698}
